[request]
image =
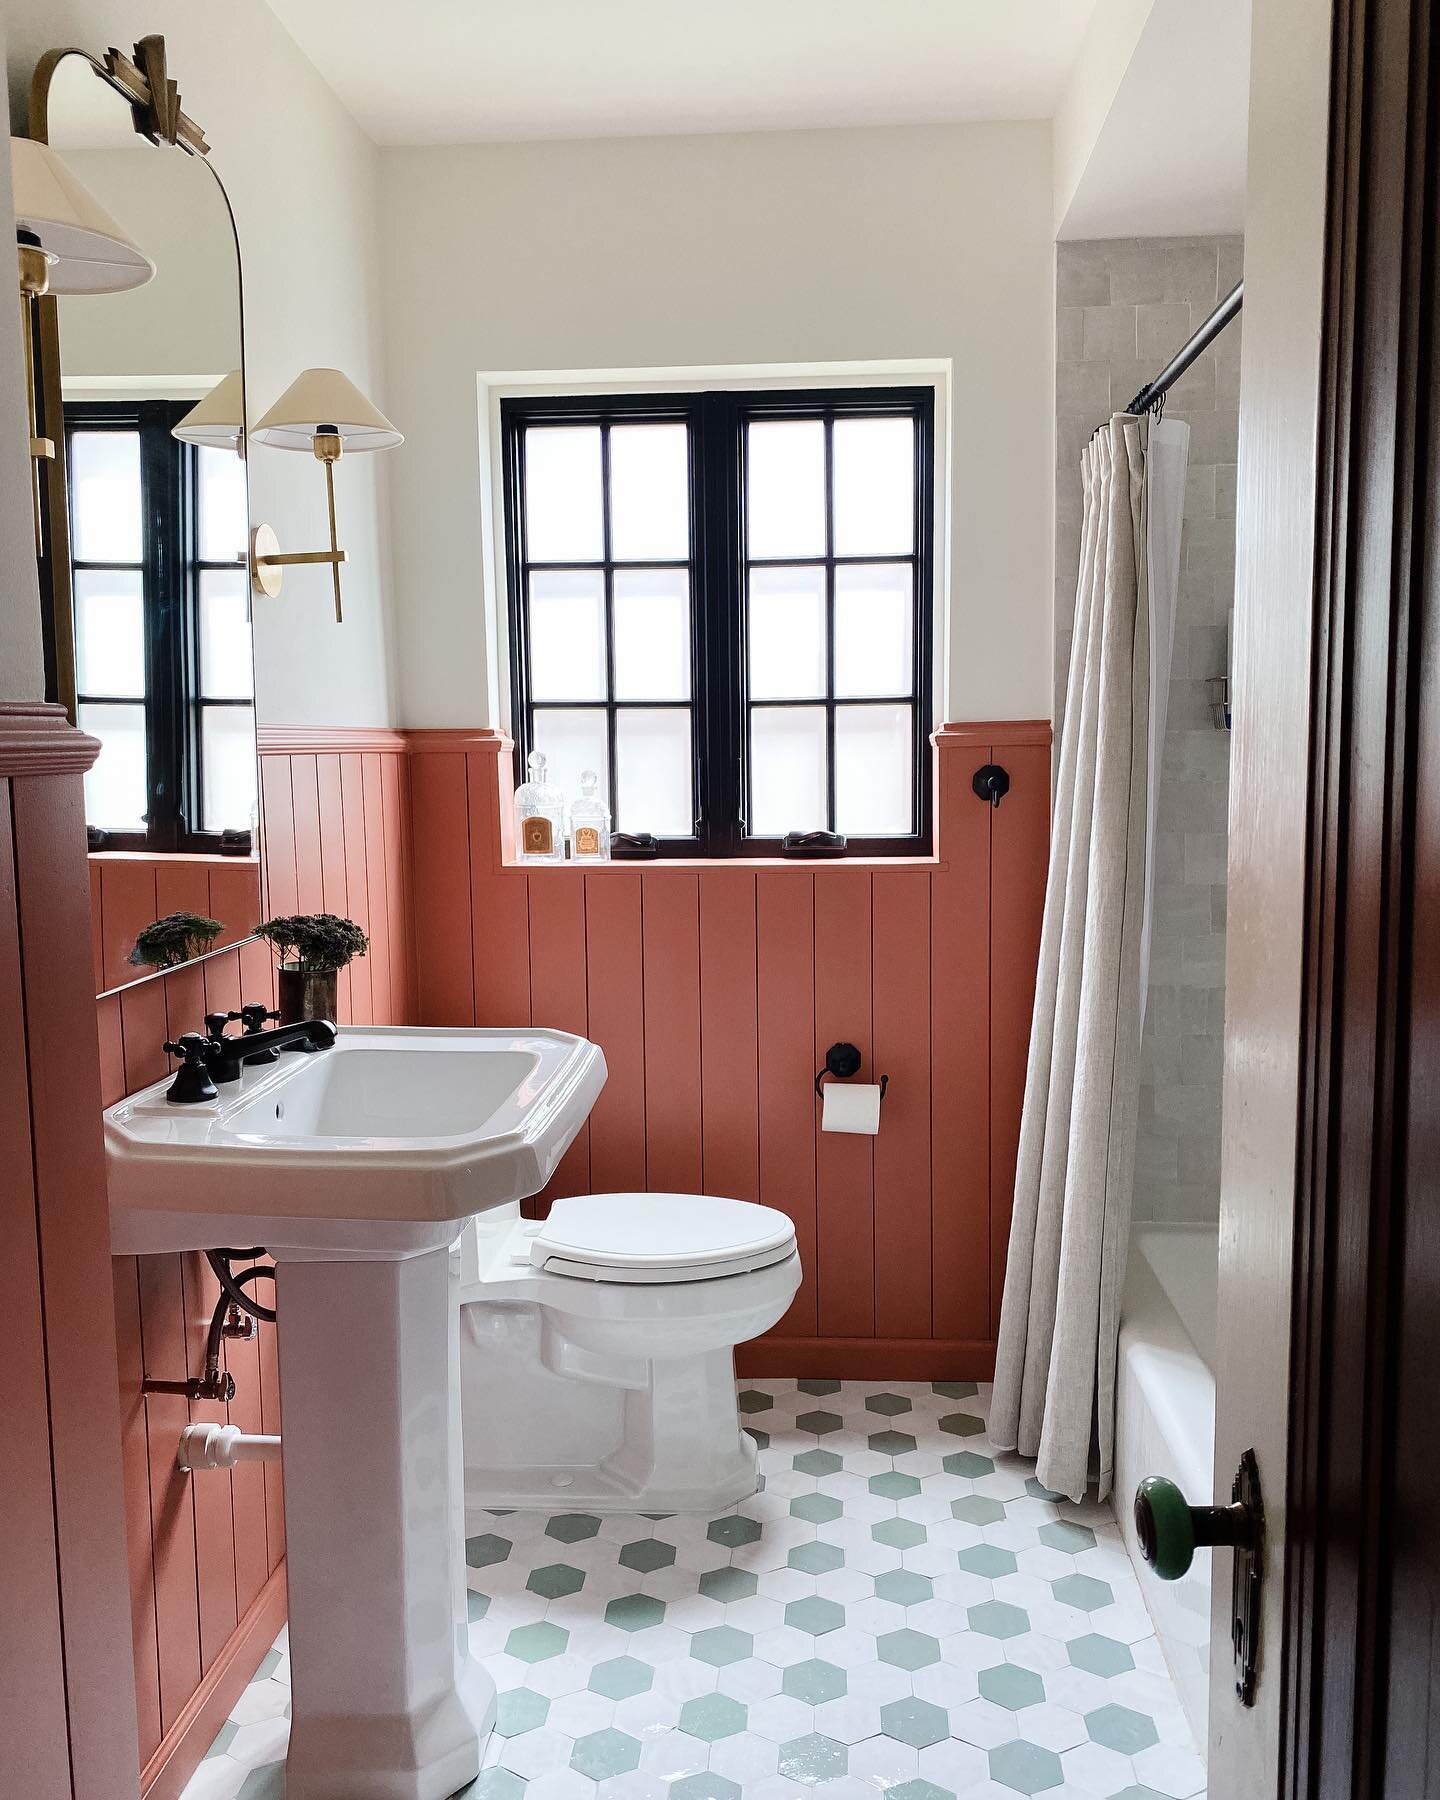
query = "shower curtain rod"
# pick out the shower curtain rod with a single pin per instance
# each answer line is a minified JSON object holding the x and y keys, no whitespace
{"x":1156,"y":390}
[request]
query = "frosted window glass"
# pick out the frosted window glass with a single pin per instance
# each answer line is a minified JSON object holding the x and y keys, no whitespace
{"x":562,"y":494}
{"x":109,"y":632}
{"x":654,"y":790}
{"x":787,"y":633}
{"x":652,"y":634}
{"x":649,"y":493}
{"x":227,"y":749}
{"x":567,"y":634}
{"x":874,"y":487}
{"x":874,"y":628}
{"x":227,"y":669}
{"x":787,"y":770}
{"x":105,"y":495}
{"x":873,"y":748}
{"x":115,"y":786}
{"x":223,"y":521}
{"x":785,"y":488}
{"x":573,"y":740}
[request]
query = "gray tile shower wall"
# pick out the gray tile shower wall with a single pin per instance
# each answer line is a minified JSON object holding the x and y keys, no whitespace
{"x":1124,"y":306}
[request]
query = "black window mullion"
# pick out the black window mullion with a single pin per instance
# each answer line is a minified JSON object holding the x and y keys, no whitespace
{"x":830,"y":622}
{"x":607,"y":582}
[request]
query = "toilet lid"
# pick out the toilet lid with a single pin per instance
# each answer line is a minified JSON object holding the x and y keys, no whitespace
{"x":659,"y":1237}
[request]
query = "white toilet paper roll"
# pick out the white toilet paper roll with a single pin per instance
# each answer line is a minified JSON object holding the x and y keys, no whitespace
{"x":855,"y":1106}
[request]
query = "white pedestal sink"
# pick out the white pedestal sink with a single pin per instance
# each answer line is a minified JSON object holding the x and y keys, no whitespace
{"x":356,"y":1167}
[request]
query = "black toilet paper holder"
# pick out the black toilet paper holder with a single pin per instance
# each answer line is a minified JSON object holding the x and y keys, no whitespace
{"x":842,"y":1061}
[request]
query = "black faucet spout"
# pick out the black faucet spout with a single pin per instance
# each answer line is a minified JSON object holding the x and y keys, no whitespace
{"x":304,"y":1034}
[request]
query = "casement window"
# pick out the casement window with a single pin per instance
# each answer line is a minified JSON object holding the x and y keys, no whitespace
{"x":163,"y":665}
{"x":721,"y":603}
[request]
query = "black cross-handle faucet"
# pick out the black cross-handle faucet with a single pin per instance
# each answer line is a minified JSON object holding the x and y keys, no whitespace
{"x":213,"y":1057}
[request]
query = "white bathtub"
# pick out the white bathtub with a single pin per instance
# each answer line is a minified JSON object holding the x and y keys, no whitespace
{"x":1165,"y":1425}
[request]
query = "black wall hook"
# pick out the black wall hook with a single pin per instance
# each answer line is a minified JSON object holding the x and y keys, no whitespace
{"x":991,"y":783}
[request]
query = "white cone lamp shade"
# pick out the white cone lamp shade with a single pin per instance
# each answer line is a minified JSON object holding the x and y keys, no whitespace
{"x":88,"y":252}
{"x":217,"y":421}
{"x":325,"y":401}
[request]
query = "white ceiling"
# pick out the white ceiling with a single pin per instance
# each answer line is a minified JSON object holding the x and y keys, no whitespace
{"x":464,"y":71}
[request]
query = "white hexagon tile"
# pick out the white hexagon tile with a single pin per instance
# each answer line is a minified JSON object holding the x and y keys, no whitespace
{"x":900,"y":1611}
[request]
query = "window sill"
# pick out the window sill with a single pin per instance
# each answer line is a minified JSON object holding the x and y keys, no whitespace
{"x":711,"y":864}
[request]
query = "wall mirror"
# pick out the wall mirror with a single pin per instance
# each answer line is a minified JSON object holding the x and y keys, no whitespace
{"x":143,"y":534}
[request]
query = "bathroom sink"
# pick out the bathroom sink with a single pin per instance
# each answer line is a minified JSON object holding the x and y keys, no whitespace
{"x":382,"y":1142}
{"x":355,"y":1168}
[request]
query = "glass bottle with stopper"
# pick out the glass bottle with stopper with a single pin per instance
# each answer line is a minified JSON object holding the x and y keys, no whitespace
{"x":589,"y":822}
{"x":539,"y":816}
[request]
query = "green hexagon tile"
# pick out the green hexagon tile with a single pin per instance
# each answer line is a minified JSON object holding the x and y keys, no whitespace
{"x":901,"y":1612}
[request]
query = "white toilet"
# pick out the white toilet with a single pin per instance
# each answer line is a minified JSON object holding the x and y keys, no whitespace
{"x":597,"y":1348}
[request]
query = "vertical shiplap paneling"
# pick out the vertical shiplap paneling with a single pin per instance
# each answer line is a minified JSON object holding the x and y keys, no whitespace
{"x":135,"y":1458}
{"x":615,"y":975}
{"x":729,"y":1030}
{"x":444,"y":965}
{"x":500,"y":901}
{"x":334,"y":889}
{"x":172,"y":1501}
{"x":559,"y":998}
{"x":357,"y":883}
{"x":785,"y":1047}
{"x":845,"y":1222}
{"x":384,"y":1008}
{"x":214,"y":1518}
{"x":670,"y":936}
{"x":277,"y":833}
{"x":309,"y":844}
{"x":1019,"y":844}
{"x":32,"y":1668}
{"x":128,"y":904}
{"x":960,"y":1052}
{"x":900,"y":999}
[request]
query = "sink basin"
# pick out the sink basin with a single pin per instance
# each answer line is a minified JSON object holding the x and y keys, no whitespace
{"x":355,"y":1167}
{"x":382,"y":1142}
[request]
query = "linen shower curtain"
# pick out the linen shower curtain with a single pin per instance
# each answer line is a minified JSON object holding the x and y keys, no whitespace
{"x":1055,"y":1361}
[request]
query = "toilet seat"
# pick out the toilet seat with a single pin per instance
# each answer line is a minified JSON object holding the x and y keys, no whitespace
{"x":636,"y":1238}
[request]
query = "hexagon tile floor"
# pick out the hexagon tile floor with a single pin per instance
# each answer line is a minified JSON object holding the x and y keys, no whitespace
{"x":899,"y":1612}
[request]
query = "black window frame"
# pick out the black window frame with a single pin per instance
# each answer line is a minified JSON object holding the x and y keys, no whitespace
{"x":171,"y":568}
{"x":719,"y":697}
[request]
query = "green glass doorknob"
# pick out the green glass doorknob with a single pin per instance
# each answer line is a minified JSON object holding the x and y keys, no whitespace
{"x":1169,"y":1529}
{"x":1164,"y":1526}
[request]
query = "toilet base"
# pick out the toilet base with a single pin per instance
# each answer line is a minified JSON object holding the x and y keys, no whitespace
{"x":599,"y":1488}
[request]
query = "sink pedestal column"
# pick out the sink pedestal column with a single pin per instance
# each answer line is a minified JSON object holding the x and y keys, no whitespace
{"x":387,"y":1704}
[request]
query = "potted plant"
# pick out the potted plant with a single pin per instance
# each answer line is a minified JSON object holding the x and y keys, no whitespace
{"x":311,"y":949}
{"x":175,"y":939}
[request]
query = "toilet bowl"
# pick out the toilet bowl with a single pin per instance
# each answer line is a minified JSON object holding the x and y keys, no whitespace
{"x":597,"y":1348}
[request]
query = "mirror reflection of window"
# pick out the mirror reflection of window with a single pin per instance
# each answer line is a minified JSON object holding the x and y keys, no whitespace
{"x":162,"y":633}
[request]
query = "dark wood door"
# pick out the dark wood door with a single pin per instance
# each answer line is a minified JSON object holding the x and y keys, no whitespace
{"x":1361,"y":1696}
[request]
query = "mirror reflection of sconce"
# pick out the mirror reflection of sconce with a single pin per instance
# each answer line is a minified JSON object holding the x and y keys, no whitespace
{"x":322,"y":411}
{"x":68,"y":244}
{"x":218,"y":421}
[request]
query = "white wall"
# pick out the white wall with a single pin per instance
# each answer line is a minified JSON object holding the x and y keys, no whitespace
{"x":928,"y":243}
{"x":21,"y":671}
{"x":302,"y":178}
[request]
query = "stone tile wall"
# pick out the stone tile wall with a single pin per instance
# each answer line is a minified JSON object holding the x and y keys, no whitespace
{"x":1124,"y":307}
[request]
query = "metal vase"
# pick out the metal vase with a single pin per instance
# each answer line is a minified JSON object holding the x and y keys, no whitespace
{"x":306,"y":994}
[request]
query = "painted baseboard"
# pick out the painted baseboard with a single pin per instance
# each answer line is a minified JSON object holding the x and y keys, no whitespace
{"x":182,"y":1749}
{"x":868,"y":1359}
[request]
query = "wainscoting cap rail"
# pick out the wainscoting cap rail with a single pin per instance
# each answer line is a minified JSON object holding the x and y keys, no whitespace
{"x":37,"y":738}
{"x":308,"y":740}
{"x":974,"y":735}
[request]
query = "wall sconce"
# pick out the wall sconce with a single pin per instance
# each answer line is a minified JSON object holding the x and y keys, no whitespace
{"x":218,"y":421}
{"x":68,"y":244}
{"x":322,"y":411}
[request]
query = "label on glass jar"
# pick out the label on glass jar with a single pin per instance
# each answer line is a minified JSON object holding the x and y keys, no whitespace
{"x":587,"y":840}
{"x":537,"y":836}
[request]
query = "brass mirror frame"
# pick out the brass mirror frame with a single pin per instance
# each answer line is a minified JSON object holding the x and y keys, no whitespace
{"x":143,"y":82}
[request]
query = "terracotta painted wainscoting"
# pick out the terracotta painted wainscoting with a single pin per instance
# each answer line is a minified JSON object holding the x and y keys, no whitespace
{"x":130,"y":889}
{"x":715,"y":989}
{"x":67,"y":1715}
{"x":206,"y":1554}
